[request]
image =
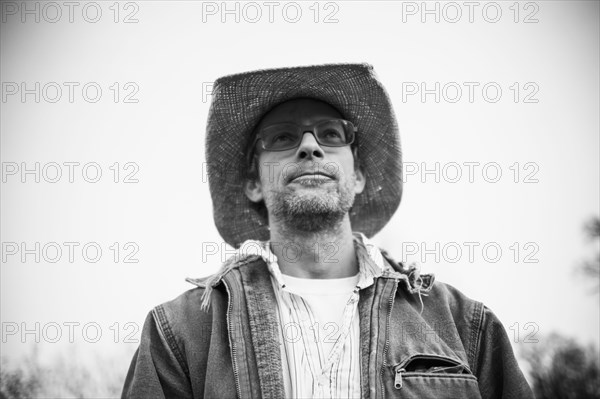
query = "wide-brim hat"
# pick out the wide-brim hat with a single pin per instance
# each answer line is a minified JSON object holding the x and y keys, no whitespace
{"x":240,"y":101}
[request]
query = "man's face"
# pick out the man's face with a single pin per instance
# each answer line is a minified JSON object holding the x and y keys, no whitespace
{"x":310,"y":187}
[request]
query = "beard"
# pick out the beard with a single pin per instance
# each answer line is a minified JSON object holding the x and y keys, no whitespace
{"x":312,"y":210}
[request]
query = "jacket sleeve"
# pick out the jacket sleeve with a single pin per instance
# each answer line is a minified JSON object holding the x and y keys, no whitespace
{"x":155,"y":371}
{"x":497,"y":369}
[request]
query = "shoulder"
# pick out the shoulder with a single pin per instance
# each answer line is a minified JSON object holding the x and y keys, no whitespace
{"x":455,"y":299}
{"x":425,"y":285}
{"x":182,"y":319}
{"x":207,"y":299}
{"x":180,"y":308}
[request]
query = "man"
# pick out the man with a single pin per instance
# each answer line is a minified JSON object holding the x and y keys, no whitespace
{"x":304,"y":165}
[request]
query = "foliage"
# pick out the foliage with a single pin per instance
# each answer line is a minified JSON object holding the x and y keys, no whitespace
{"x":63,"y":375}
{"x":560,"y":368}
{"x":591,"y":268}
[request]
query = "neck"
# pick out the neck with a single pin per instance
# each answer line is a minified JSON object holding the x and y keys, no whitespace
{"x":323,"y":254}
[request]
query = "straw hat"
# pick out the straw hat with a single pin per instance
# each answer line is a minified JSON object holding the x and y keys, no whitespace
{"x":239,"y":102}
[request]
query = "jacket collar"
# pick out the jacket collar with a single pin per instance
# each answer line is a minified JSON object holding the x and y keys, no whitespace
{"x":370,"y":261}
{"x":376,"y":263}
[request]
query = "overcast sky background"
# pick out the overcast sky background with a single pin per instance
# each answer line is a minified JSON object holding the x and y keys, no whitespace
{"x":167,"y":60}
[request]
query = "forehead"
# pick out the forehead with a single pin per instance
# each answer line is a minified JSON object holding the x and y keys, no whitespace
{"x":302,"y":111}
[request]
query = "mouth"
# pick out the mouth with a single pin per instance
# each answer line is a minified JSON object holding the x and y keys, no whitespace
{"x":311,"y":177}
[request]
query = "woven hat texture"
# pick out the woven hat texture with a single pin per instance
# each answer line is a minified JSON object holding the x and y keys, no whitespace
{"x":240,"y":101}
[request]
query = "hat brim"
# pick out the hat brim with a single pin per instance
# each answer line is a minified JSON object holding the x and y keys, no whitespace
{"x":240,"y":101}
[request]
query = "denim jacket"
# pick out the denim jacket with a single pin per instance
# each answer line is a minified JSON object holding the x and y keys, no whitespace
{"x":418,"y":340}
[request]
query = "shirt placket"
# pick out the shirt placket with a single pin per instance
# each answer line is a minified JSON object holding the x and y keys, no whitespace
{"x":314,"y":356}
{"x":322,"y":384}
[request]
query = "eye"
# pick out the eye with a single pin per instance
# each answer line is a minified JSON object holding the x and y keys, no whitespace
{"x":282,"y":137}
{"x":332,"y":134}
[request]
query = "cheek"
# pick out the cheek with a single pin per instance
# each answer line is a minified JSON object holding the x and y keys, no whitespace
{"x":270,"y":171}
{"x":347,"y":166}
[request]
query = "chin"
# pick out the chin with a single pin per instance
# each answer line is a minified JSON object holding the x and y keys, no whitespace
{"x":311,"y":210}
{"x":313,"y":214}
{"x":319,"y":199}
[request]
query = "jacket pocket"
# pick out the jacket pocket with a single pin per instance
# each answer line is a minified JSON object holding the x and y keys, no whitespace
{"x":433,"y":376}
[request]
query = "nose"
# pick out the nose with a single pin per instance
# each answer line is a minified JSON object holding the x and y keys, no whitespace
{"x":309,"y":148}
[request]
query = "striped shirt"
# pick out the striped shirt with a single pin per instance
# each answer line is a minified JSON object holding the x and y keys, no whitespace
{"x":319,"y":328}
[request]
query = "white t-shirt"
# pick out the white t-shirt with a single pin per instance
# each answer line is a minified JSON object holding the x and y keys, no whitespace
{"x":326,"y":299}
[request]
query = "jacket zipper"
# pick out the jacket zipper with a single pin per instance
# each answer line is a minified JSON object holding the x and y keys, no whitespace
{"x":231,"y":343}
{"x":398,"y":378}
{"x":401,"y":368}
{"x":387,"y":335}
{"x":449,"y":361}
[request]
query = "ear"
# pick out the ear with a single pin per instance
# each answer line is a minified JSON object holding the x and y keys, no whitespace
{"x":361,"y":180}
{"x":253,"y":190}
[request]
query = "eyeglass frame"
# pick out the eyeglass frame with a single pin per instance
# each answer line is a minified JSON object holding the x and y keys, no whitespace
{"x":306,"y":129}
{"x":252,"y":149}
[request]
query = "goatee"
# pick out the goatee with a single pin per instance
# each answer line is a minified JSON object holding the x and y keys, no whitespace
{"x":315,"y":211}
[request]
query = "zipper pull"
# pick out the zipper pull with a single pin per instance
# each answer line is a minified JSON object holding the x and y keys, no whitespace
{"x":398,"y":378}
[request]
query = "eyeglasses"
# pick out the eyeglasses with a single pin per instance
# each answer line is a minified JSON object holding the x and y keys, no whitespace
{"x":285,"y":136}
